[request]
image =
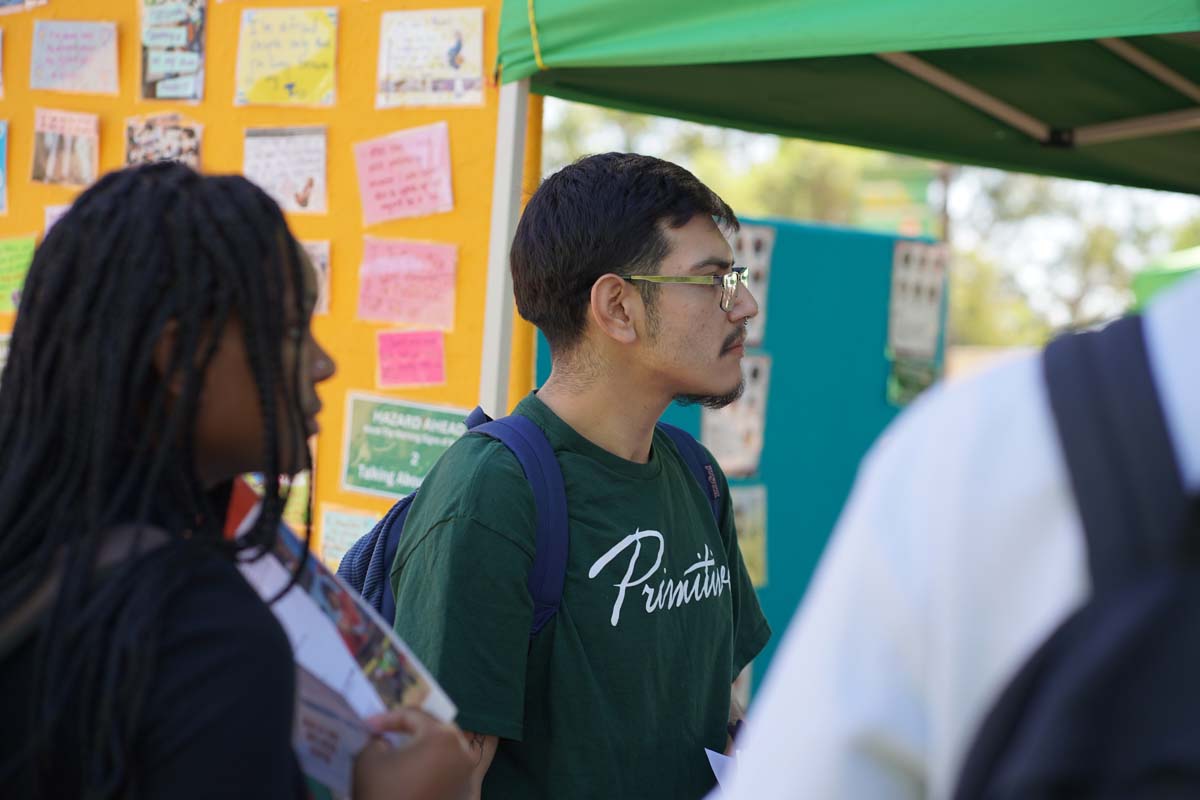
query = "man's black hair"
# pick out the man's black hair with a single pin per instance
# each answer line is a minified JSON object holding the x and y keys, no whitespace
{"x":91,"y":436}
{"x":603,"y":214}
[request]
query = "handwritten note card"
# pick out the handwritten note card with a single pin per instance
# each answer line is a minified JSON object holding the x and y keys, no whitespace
{"x":411,"y":358}
{"x":405,"y":174}
{"x":340,"y":529}
{"x":74,"y":57}
{"x":289,"y":164}
{"x":173,"y":33}
{"x":286,"y":56}
{"x":407,"y":282}
{"x":429,"y":58}
{"x":318,"y":254}
{"x":66,"y":147}
{"x":15,"y":257}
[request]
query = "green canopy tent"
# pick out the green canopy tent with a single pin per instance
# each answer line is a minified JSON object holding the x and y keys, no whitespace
{"x":1105,"y":90}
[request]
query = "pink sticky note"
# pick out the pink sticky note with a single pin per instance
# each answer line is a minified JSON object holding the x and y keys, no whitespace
{"x":411,"y":358}
{"x":408,"y":283}
{"x":405,"y":174}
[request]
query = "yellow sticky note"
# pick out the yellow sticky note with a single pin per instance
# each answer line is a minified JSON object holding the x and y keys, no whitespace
{"x":286,"y":57}
{"x":15,"y":257}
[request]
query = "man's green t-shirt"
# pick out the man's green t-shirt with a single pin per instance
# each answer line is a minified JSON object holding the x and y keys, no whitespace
{"x":619,"y":695}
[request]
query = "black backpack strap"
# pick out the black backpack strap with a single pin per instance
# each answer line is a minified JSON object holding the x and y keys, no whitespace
{"x":1118,"y":451}
{"x":700,"y":464}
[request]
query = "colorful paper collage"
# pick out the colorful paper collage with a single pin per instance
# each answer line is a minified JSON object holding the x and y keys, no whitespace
{"x":408,"y":283}
{"x":405,"y":174}
{"x":66,"y":147}
{"x":287,"y":57}
{"x":289,"y":164}
{"x":78,"y":57}
{"x":1,"y":63}
{"x":163,"y":137}
{"x":15,"y":257}
{"x":431,"y":58}
{"x":173,"y":35}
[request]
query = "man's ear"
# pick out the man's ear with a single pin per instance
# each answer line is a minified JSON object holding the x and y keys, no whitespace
{"x":614,"y":307}
{"x":164,"y":351}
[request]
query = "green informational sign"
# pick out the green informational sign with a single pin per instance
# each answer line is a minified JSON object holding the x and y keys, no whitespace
{"x":15,"y":257}
{"x":391,"y":445}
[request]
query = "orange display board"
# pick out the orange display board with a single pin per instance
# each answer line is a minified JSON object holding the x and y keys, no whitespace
{"x":355,"y":115}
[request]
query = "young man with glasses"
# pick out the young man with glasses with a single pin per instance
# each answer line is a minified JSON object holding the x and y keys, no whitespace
{"x":619,"y":261}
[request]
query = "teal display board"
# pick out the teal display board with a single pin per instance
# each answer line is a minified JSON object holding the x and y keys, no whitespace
{"x":826,"y":333}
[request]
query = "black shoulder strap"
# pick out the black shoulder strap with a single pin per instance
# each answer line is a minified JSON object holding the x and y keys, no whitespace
{"x":1118,"y":451}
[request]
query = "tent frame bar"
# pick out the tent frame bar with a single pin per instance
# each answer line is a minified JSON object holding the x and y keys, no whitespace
{"x":1153,"y":67}
{"x":1138,"y":127}
{"x":1187,"y":119}
{"x":988,"y":104}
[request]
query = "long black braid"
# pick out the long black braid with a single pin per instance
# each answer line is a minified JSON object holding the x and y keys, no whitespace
{"x":90,"y":435}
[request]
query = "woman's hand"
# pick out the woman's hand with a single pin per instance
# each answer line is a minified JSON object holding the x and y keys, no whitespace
{"x":434,"y":764}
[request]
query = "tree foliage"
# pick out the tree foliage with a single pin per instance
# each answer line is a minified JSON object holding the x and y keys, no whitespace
{"x":1032,"y":254}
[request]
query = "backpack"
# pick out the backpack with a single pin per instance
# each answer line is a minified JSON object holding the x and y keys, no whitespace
{"x":1109,"y":705}
{"x":368,"y":562}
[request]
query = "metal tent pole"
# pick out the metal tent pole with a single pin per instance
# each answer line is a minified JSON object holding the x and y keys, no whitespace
{"x":506,"y":207}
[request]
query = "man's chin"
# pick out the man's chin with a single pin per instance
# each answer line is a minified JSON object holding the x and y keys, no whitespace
{"x":711,"y":400}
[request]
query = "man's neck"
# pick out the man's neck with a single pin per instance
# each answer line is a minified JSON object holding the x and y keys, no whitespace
{"x":613,"y":414}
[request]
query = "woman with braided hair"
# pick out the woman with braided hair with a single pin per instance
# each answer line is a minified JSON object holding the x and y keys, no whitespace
{"x":162,"y":347}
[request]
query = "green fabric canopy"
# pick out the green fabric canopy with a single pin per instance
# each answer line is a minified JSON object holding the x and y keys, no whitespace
{"x":1015,"y":84}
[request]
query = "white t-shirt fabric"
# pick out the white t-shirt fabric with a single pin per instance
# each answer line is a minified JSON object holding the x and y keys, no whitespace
{"x":958,"y":553}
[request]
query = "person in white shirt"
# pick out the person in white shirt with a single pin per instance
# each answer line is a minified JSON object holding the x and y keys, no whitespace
{"x":959,"y":552}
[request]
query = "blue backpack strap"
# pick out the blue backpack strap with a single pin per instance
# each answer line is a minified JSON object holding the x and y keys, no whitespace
{"x":529,"y":444}
{"x":700,"y":463}
{"x":1114,"y":438}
